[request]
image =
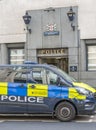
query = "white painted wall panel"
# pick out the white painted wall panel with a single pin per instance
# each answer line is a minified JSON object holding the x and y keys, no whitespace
{"x":12,"y":25}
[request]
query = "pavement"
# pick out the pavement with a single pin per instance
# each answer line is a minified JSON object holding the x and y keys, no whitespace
{"x":12,"y":118}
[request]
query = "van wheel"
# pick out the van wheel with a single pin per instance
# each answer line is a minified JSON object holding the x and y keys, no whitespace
{"x":65,"y":111}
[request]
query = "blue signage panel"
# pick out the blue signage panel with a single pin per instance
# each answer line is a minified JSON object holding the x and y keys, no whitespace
{"x":73,"y":68}
{"x":50,"y":33}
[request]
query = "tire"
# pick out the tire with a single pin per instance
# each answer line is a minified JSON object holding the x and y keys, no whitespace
{"x":65,"y":111}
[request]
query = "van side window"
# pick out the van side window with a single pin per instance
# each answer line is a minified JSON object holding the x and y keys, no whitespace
{"x":24,"y":77}
{"x":5,"y":72}
{"x":20,"y":77}
{"x":38,"y":74}
{"x":51,"y":77}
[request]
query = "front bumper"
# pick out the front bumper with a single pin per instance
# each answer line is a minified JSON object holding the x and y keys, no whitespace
{"x":87,"y":108}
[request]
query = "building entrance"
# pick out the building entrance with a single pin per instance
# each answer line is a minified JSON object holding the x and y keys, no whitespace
{"x":56,"y":56}
{"x":59,"y":62}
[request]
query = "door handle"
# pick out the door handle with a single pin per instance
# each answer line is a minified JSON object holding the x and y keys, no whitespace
{"x":32,"y":86}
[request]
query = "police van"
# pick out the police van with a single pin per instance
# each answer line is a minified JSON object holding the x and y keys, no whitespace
{"x":44,"y":89}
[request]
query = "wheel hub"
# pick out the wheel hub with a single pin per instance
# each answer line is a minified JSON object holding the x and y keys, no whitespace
{"x":65,"y":112}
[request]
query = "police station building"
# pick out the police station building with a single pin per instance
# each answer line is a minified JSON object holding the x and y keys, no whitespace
{"x":52,"y":35}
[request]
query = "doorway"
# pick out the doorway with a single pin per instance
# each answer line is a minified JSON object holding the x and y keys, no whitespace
{"x":60,"y":62}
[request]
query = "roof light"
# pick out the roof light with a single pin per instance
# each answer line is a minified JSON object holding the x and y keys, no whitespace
{"x":29,"y":62}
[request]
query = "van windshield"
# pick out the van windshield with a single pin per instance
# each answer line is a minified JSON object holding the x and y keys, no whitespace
{"x":64,"y":74}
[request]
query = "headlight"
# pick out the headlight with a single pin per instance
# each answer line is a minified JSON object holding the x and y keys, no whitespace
{"x":83,"y":91}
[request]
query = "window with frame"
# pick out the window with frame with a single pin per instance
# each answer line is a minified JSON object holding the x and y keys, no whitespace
{"x":44,"y":76}
{"x":51,"y":78}
{"x":91,"y":57}
{"x":38,"y":74}
{"x":16,"y":56}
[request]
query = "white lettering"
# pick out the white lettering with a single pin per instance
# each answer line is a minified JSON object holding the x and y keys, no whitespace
{"x":3,"y":97}
{"x":25,"y":99}
{"x":12,"y":98}
{"x":31,"y":99}
{"x":22,"y":99}
{"x":40,"y":99}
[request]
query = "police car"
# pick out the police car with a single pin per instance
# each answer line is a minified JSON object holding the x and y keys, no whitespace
{"x":44,"y":89}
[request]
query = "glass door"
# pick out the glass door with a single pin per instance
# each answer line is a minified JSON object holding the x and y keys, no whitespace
{"x":60,"y":62}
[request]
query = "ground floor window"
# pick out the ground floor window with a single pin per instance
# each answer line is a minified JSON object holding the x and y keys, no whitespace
{"x":91,"y":57}
{"x":16,"y":56}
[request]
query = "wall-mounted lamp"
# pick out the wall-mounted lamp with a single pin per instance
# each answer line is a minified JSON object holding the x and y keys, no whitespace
{"x":73,"y":26}
{"x":71,"y":16}
{"x":27,"y":19}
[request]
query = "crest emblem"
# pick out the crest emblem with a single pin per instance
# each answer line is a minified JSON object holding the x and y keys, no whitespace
{"x":51,"y":27}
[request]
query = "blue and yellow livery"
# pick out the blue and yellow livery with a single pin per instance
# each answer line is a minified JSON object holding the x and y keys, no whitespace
{"x":40,"y":88}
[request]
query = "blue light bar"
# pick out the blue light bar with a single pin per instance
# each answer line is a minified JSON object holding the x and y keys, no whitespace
{"x":29,"y":62}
